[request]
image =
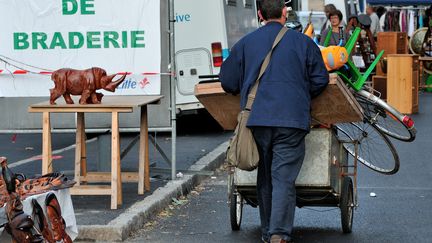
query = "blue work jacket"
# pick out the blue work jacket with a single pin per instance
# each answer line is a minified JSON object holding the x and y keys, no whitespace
{"x":296,"y":73}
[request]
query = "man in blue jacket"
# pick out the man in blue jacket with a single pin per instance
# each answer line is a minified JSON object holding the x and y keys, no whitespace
{"x":280,"y":115}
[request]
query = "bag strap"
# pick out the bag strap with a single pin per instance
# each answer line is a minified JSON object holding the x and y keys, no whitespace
{"x":252,"y":93}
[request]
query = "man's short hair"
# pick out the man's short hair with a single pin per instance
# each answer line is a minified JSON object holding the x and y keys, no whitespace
{"x":271,"y":9}
{"x":336,"y":13}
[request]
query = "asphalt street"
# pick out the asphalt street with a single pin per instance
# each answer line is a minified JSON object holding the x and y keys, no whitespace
{"x":400,"y":211}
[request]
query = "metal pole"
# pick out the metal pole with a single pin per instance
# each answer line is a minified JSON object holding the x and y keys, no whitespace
{"x":172,"y":81}
{"x":352,"y":8}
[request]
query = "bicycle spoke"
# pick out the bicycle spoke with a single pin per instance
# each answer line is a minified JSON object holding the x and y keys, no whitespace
{"x":374,"y":149}
{"x":384,"y":117}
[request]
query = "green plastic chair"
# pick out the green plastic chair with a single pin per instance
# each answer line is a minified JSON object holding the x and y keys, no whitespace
{"x":354,"y":72}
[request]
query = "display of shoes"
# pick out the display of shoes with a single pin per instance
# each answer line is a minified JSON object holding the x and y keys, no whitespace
{"x":22,"y":227}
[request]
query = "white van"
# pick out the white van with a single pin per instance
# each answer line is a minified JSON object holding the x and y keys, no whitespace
{"x":318,"y":19}
{"x":205,"y":30}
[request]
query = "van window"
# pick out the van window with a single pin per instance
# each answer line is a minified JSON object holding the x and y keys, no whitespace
{"x":231,"y":2}
{"x":248,"y":3}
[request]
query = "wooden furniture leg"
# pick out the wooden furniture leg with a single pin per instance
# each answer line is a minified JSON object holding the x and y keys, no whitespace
{"x":83,"y":151}
{"x":46,"y":144}
{"x":421,"y":84}
{"x":144,"y":163}
{"x":79,"y":147}
{"x":116,"y":186}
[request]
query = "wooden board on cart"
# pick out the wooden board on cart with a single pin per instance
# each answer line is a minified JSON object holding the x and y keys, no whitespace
{"x":335,"y":105}
{"x":222,"y":106}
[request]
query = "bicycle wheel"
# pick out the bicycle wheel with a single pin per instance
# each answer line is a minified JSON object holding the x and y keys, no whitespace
{"x":374,"y":149}
{"x":386,"y":118}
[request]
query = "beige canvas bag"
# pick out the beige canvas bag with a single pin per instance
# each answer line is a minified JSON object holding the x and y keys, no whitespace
{"x":242,"y":151}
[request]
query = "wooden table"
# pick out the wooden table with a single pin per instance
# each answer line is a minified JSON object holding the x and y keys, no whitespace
{"x":113,"y":105}
{"x":422,"y":60}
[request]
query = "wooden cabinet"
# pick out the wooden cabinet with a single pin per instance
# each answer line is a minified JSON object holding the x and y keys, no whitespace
{"x":391,"y":43}
{"x":379,"y":83}
{"x":402,"y":82}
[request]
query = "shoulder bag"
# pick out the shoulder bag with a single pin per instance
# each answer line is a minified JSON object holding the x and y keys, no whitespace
{"x":242,"y":151}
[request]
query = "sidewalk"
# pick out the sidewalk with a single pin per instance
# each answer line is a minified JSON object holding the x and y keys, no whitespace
{"x":194,"y":141}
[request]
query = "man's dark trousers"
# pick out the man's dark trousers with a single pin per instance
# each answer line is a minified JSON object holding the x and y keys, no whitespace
{"x":281,"y":153}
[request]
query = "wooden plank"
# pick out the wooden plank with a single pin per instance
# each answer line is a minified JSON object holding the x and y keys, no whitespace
{"x":46,"y":144}
{"x":336,"y":104}
{"x":81,"y":109}
{"x":106,"y":177}
{"x":402,"y":83}
{"x":91,"y":190}
{"x":144,"y":160}
{"x":108,"y":103}
{"x":116,"y":186}
{"x":223,"y":107}
{"x":78,"y":143}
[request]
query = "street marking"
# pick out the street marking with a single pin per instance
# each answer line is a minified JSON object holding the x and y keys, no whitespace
{"x":38,"y":157}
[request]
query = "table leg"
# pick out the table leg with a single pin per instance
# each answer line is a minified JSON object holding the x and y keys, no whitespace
{"x":144,"y":163}
{"x":422,"y":81}
{"x":83,"y":149}
{"x":79,"y":143}
{"x":46,"y":144}
{"x":116,"y":186}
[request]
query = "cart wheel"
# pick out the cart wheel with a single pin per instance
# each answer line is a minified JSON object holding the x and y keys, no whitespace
{"x":347,"y":205}
{"x":236,"y":209}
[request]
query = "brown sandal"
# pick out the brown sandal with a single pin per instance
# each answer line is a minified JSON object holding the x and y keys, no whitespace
{"x":41,"y":223}
{"x":58,"y":224}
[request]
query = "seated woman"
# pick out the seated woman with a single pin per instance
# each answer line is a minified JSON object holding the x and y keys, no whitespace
{"x":335,"y":32}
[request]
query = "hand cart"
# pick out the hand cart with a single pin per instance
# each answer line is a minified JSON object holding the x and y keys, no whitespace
{"x":326,"y":180}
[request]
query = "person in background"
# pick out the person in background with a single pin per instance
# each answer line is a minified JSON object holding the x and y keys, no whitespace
{"x":336,"y":31}
{"x":352,"y":24}
{"x":280,"y":115}
{"x":375,"y":21}
{"x":381,"y":12}
{"x":327,"y":10}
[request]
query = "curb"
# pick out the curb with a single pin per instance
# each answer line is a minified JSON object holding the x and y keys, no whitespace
{"x":135,"y":217}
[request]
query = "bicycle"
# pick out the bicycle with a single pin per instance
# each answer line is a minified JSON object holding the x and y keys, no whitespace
{"x":388,"y":119}
{"x":380,"y":120}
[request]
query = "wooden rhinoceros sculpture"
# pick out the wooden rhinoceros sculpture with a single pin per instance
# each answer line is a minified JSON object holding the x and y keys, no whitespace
{"x":82,"y":82}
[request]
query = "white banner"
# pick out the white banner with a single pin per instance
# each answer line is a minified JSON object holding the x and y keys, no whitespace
{"x":45,"y":35}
